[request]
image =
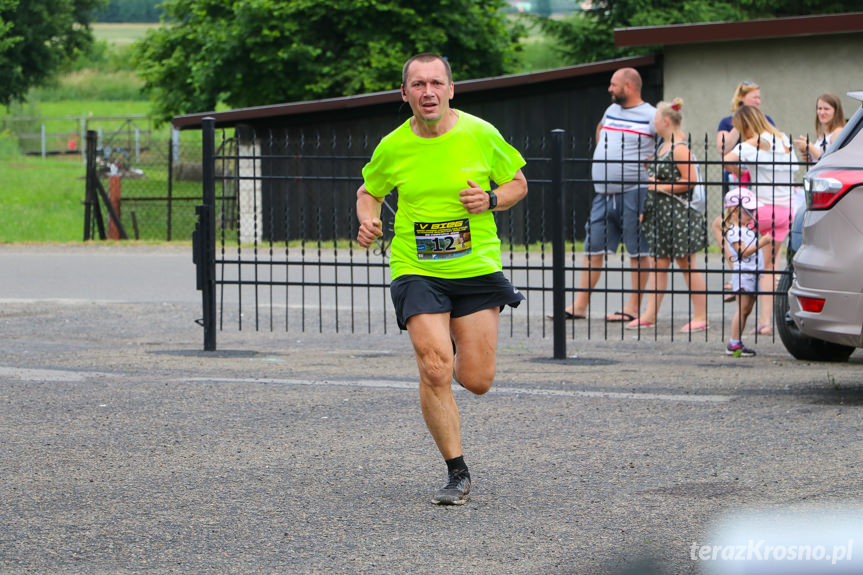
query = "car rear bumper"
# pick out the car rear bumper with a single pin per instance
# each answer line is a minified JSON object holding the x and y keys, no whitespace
{"x":841,"y":320}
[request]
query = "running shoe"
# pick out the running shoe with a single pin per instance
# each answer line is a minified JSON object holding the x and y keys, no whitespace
{"x":456,"y":490}
{"x":739,"y":350}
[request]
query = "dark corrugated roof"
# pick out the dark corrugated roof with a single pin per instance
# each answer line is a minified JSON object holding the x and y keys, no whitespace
{"x":230,"y":118}
{"x":748,"y":30}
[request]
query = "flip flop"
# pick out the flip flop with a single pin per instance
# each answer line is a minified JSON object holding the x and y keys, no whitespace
{"x":695,"y":326}
{"x":568,"y":315}
{"x":729,"y":295}
{"x":620,"y":316}
{"x":762,"y":330}
{"x":639,"y":324}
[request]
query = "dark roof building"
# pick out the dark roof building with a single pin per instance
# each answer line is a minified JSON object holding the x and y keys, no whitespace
{"x":323,"y":144}
{"x":793,"y":60}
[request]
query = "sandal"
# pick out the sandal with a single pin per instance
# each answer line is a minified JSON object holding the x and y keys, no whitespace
{"x":568,"y":315}
{"x":619,"y":316}
{"x":639,"y":324}
{"x":695,"y":327}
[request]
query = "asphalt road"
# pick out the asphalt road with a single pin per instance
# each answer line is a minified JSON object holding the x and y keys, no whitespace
{"x":124,"y":448}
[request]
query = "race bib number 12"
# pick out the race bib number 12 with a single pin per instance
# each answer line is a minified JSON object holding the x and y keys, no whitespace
{"x":442,"y":240}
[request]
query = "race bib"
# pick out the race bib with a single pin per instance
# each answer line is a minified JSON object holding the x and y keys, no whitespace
{"x":442,"y":240}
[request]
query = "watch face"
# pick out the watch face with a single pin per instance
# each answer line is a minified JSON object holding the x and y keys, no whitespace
{"x":492,"y":200}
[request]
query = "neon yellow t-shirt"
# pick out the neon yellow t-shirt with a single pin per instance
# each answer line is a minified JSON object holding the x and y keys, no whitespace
{"x":434,"y":234}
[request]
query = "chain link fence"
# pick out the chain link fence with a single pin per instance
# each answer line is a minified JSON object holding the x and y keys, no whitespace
{"x":159,"y":173}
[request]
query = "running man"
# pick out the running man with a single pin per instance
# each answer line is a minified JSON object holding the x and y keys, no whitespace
{"x":447,"y":285}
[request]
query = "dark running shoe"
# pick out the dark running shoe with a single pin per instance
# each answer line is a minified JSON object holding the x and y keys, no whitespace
{"x":456,"y":490}
{"x":739,"y":350}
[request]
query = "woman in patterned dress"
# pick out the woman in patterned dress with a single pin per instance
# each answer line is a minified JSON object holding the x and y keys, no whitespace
{"x":673,"y":229}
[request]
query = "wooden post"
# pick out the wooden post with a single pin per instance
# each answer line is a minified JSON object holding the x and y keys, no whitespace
{"x":115,"y":191}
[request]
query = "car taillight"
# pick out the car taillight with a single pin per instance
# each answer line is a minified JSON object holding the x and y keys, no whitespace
{"x":811,"y":304}
{"x":824,"y":189}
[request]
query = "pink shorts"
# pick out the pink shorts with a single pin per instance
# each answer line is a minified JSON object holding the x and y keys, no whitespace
{"x":774,"y":219}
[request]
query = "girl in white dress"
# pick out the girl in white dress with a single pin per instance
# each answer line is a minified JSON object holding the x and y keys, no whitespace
{"x":743,"y":252}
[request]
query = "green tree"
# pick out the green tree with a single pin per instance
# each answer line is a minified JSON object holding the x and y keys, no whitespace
{"x":37,"y":38}
{"x":588,"y":36}
{"x":256,"y":52}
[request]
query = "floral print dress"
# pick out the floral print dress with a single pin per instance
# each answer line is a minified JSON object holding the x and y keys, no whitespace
{"x":671,"y":227}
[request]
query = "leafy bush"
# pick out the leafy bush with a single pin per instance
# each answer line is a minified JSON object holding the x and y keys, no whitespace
{"x":104,"y":57}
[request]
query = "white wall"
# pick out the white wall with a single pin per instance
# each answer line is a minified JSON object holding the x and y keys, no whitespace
{"x":251,"y":223}
{"x":792,"y":73}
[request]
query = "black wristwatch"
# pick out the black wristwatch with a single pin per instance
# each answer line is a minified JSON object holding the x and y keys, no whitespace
{"x":492,"y":200}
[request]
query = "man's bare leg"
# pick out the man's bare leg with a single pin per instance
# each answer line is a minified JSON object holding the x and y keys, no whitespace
{"x":475,"y":338}
{"x":430,"y":335}
{"x":588,"y":280}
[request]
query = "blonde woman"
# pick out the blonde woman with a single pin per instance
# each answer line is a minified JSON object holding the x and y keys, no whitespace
{"x":746,"y":93}
{"x":829,"y":121}
{"x":673,"y":229}
{"x":770,"y":158}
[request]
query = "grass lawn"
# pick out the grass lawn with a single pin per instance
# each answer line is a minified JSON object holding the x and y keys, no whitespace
{"x":41,"y":200}
{"x":120,"y":34}
{"x":94,"y":107}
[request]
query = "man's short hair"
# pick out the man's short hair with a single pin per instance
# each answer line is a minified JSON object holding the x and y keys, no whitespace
{"x":426,"y":57}
{"x":632,"y":76}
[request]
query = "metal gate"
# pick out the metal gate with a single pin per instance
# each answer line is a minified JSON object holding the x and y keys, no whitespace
{"x":275,"y":242}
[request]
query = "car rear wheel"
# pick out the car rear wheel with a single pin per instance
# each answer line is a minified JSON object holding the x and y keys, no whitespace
{"x":799,"y":345}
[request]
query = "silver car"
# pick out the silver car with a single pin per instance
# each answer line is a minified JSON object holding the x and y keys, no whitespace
{"x":826,"y":297}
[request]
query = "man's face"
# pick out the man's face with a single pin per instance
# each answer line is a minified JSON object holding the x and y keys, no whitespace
{"x":617,"y":89}
{"x":428,"y":90}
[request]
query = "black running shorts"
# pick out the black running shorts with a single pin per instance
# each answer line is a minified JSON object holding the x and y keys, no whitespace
{"x":415,"y":294}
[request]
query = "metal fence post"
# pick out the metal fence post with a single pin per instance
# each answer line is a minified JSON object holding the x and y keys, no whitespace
{"x":204,"y":237}
{"x":558,"y":245}
{"x":90,"y":189}
{"x":170,"y":202}
{"x":92,"y":211}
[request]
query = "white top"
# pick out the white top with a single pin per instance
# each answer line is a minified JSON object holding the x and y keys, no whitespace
{"x":747,"y":237}
{"x":824,"y":141}
{"x":772,"y":170}
{"x":627,"y":138}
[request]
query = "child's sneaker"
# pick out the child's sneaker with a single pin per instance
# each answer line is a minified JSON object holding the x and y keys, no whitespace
{"x":739,"y":350}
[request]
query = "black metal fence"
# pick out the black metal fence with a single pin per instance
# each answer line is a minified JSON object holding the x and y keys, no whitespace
{"x":275,"y":242}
